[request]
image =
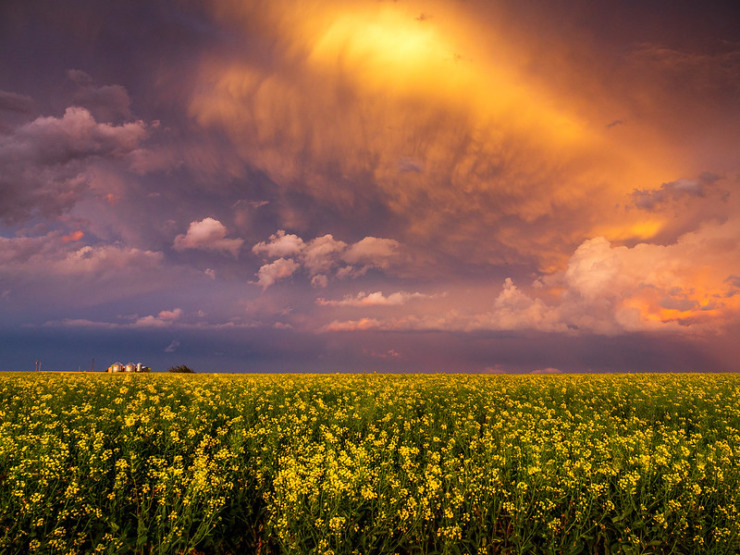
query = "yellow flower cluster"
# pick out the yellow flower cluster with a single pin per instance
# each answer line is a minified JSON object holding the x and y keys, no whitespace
{"x":352,"y":464}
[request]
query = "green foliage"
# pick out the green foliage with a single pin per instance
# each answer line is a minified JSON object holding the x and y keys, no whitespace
{"x":217,"y":464}
{"x":182,"y":369}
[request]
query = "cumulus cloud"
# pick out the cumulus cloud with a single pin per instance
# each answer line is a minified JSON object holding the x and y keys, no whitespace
{"x":281,"y":268}
{"x":279,"y":245}
{"x":170,"y":315}
{"x":610,"y":289}
{"x":514,"y":310}
{"x":372,"y":251}
{"x":43,"y":163}
{"x":322,"y":253}
{"x":690,"y":286}
{"x":163,"y":319}
{"x":208,"y":234}
{"x":374,"y":299}
{"x":324,"y":256}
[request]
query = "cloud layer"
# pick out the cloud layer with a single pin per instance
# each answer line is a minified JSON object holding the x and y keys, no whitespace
{"x":44,"y":162}
{"x":208,"y":234}
{"x":323,"y":257}
{"x":372,"y":185}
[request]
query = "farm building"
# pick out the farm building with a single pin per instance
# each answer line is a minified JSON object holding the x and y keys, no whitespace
{"x":130,"y":367}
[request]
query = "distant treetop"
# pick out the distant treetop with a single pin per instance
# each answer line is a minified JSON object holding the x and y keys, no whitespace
{"x":181,"y":369}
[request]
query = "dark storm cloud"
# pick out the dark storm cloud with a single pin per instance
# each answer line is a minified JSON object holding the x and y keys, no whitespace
{"x":651,"y":199}
{"x":473,"y":140}
{"x":43,"y":163}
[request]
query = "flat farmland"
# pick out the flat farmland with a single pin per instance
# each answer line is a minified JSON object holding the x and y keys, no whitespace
{"x":371,"y":464}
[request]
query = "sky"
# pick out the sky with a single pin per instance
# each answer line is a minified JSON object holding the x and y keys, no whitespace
{"x":493,"y":186}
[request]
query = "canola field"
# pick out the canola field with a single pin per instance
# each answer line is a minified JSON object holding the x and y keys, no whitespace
{"x":371,"y":464}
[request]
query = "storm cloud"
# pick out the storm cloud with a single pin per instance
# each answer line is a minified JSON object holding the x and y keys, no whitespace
{"x":372,"y":185}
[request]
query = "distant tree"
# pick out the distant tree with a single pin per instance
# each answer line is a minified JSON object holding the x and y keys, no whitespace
{"x":182,"y":369}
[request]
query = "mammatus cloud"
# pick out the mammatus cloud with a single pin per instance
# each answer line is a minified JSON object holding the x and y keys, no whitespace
{"x":322,"y":257}
{"x":587,"y":155}
{"x":208,"y":234}
{"x":441,"y":121}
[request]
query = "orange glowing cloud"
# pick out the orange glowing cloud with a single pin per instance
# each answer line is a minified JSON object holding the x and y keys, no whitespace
{"x":691,"y":287}
{"x":437,"y":115}
{"x":440,"y":119}
{"x":73,"y":237}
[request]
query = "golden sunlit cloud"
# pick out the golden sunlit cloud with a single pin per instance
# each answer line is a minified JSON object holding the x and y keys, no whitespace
{"x":443,"y":121}
{"x":373,"y":184}
{"x":417,"y":105}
